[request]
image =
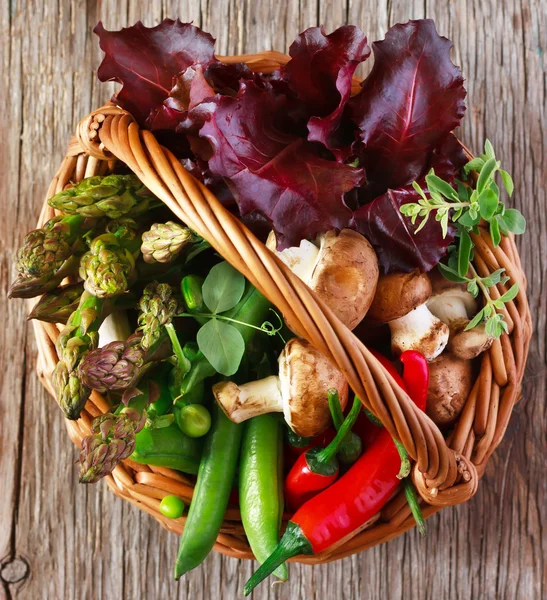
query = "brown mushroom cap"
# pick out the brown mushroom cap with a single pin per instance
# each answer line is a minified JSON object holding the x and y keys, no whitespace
{"x":469,"y":344}
{"x":450,"y":381}
{"x":397,"y":294}
{"x":346,"y":275}
{"x":305,"y":377}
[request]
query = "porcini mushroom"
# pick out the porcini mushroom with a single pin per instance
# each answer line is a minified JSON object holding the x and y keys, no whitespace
{"x":342,"y":269}
{"x":455,"y":306}
{"x":400,"y":301}
{"x":450,"y":381}
{"x":299,"y":391}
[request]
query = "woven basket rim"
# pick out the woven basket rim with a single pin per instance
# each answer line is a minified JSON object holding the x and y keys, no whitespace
{"x":446,"y":472}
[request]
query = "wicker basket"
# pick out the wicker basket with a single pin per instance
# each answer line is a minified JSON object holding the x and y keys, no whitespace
{"x":446,"y":472}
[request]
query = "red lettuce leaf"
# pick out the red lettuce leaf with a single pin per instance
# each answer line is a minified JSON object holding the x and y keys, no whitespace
{"x":273,"y":172}
{"x":146,"y":59}
{"x":393,"y":235}
{"x":321,"y":71}
{"x":413,"y":97}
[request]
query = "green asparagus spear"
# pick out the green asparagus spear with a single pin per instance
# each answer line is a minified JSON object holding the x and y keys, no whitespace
{"x":165,"y":241}
{"x":112,"y":196}
{"x":57,"y":306}
{"x":157,"y":308}
{"x":77,"y":338}
{"x":116,"y":366}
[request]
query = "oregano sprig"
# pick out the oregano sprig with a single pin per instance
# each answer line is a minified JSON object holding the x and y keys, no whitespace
{"x":465,"y":207}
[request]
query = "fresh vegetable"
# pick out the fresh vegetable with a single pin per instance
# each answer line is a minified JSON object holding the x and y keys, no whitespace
{"x":194,"y":420}
{"x":165,"y":241}
{"x":172,"y":507}
{"x":57,"y":305}
{"x":351,"y":446}
{"x":318,"y":467}
{"x":167,"y":447}
{"x":342,"y":270}
{"x":108,"y":267}
{"x":215,"y":478}
{"x":400,"y":301}
{"x":450,"y":384}
{"x":299,"y":391}
{"x":75,"y":340}
{"x":113,"y":196}
{"x":50,"y":254}
{"x":454,"y":305}
{"x":261,"y":486}
{"x":116,"y":366}
{"x":416,"y":375}
{"x":157,"y":307}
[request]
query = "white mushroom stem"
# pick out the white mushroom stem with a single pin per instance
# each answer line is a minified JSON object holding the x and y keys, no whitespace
{"x":419,"y":330}
{"x":242,"y":402}
{"x":455,"y":307}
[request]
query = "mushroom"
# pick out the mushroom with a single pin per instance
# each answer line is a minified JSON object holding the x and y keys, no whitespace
{"x":450,"y":381}
{"x":455,"y":306}
{"x":400,"y":301}
{"x":299,"y":392}
{"x":342,"y":270}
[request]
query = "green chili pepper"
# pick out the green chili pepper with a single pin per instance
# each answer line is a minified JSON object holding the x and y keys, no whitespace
{"x":261,"y":486}
{"x":214,"y":483}
{"x":167,"y":447}
{"x":352,"y":446}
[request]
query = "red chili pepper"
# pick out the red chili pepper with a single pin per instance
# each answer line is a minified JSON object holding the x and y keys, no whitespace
{"x":415,"y":376}
{"x":318,"y":467}
{"x":343,"y":508}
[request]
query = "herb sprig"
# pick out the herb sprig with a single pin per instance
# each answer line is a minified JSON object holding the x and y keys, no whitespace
{"x":464,"y":207}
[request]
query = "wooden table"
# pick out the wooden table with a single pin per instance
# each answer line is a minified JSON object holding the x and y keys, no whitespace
{"x":60,"y":540}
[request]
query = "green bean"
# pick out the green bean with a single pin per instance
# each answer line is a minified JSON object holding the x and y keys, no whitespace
{"x":261,"y":486}
{"x":214,"y":483}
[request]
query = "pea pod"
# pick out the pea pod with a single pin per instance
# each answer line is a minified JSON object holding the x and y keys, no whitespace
{"x":167,"y":447}
{"x":214,"y":483}
{"x":261,"y":486}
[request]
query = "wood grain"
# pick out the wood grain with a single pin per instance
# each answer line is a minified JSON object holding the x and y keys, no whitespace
{"x":60,"y":540}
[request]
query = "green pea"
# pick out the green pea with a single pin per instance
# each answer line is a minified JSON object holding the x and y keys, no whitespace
{"x":172,"y":507}
{"x":194,"y":420}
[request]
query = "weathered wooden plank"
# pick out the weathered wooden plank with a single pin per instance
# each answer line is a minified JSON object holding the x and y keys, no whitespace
{"x":84,"y":543}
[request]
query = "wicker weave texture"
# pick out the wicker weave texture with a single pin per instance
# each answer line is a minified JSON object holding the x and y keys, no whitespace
{"x":446,"y":472}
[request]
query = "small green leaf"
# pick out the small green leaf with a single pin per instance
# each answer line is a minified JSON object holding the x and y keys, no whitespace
{"x":475,"y":320}
{"x":493,"y":278}
{"x":476,"y":164}
{"x":439,"y":186}
{"x":510,"y":294}
{"x":223,"y":288}
{"x":222,"y":345}
{"x":486,"y":174}
{"x":495,"y":233}
{"x":507,"y":182}
{"x":514,"y":221}
{"x":502,"y":225}
{"x":489,"y":149}
{"x":488,"y":203}
{"x":464,"y":253}
{"x":494,"y":187}
{"x":469,"y":221}
{"x":451,"y":274}
{"x":473,"y":288}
